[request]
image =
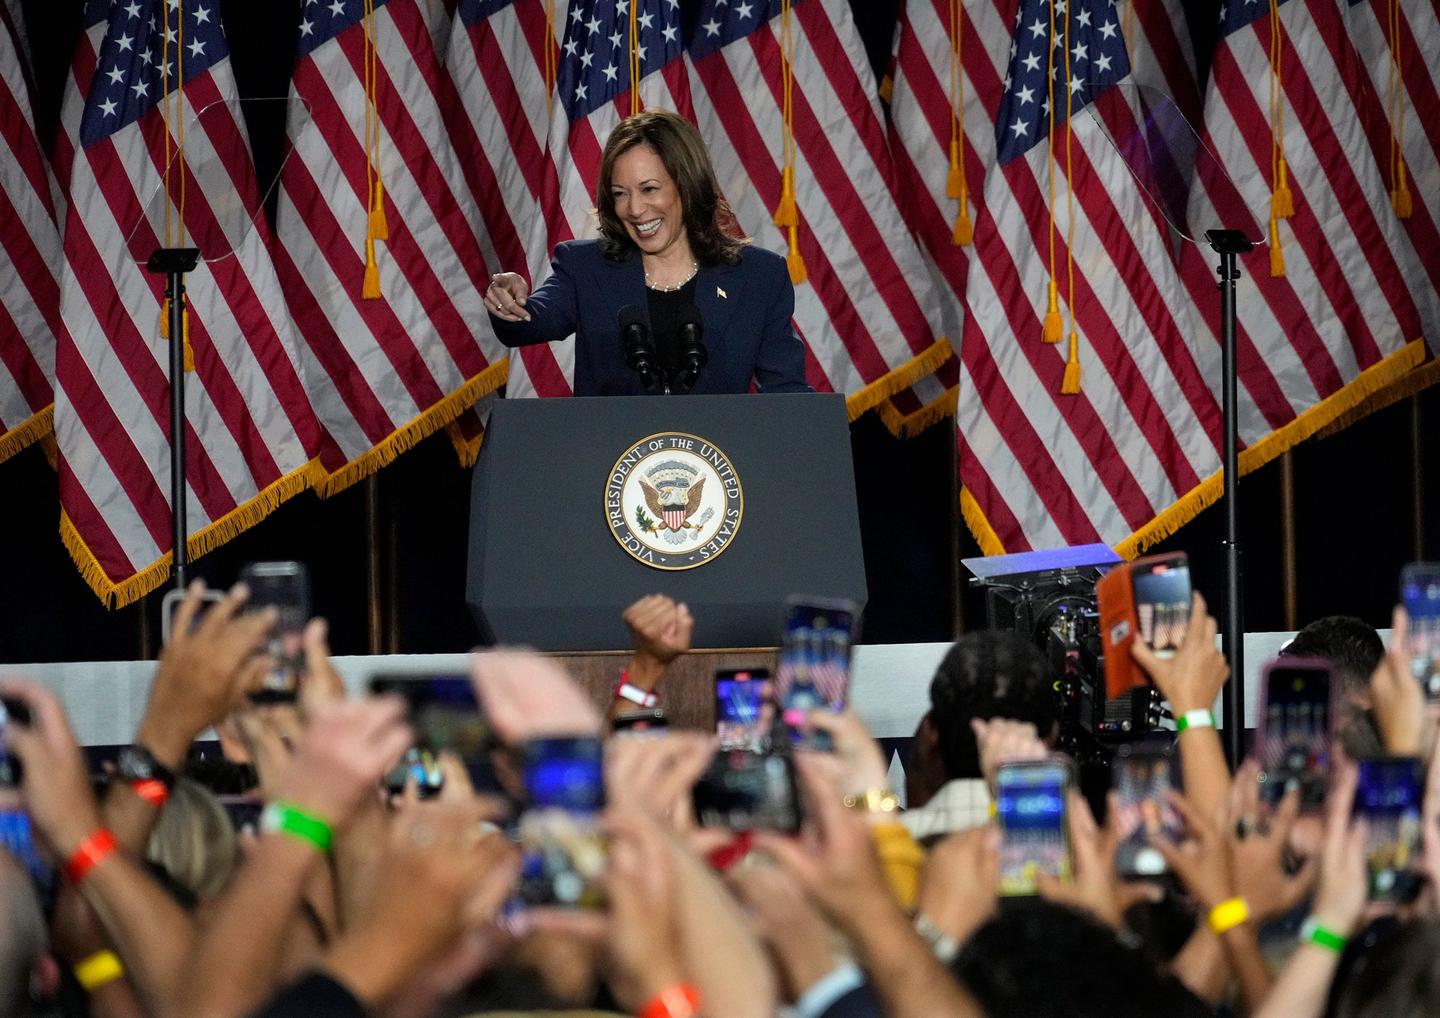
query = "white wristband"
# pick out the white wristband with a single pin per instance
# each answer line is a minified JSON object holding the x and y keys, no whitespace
{"x":1200,"y":718}
{"x":633,"y":693}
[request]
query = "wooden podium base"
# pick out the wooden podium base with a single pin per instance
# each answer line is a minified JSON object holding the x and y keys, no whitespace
{"x":688,"y":693}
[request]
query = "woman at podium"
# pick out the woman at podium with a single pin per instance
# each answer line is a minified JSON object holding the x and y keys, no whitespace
{"x":666,"y":300}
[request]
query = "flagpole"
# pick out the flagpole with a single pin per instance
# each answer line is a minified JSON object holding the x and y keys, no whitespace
{"x":1229,"y":244}
{"x":174,"y":262}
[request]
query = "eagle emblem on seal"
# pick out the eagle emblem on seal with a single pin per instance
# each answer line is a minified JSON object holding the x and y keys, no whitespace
{"x":673,"y":492}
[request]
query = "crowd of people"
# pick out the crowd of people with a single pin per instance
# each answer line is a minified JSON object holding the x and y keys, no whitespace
{"x":141,"y":898}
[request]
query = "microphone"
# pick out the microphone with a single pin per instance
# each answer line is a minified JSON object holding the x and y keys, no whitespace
{"x":638,"y":345}
{"x":693,"y":355}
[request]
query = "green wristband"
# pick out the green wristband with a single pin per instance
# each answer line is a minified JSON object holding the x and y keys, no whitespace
{"x":282,"y":818}
{"x":1194,"y":719}
{"x":1314,"y":933}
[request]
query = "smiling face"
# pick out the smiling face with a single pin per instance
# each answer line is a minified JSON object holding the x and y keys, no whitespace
{"x":647,"y":202}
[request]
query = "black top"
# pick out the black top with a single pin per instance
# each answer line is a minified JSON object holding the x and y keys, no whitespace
{"x":666,"y":309}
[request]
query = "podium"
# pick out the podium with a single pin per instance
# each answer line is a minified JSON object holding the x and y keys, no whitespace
{"x":581,"y":506}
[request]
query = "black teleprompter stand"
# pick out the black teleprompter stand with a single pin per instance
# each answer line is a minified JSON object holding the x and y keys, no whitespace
{"x":1229,"y":245}
{"x":173,"y":263}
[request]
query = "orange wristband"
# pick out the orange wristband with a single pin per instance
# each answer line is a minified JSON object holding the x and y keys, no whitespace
{"x":679,"y":1001}
{"x":152,"y":790}
{"x":92,"y":851}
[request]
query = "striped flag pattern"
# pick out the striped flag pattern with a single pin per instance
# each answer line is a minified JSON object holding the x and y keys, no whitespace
{"x":249,"y":426}
{"x":29,"y":252}
{"x":1133,"y":453}
{"x":384,"y":252}
{"x":865,"y":306}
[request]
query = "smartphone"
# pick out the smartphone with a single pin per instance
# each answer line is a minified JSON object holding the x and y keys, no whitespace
{"x":1143,"y":776}
{"x":1420,"y":593}
{"x":1030,"y":804}
{"x":1389,"y":796}
{"x":284,"y":586}
{"x":814,"y":662}
{"x":446,"y":717}
{"x":1293,"y":735}
{"x":739,"y":695}
{"x":559,"y":833}
{"x":12,"y":712}
{"x":744,"y":789}
{"x":170,"y":604}
{"x":1148,"y":600}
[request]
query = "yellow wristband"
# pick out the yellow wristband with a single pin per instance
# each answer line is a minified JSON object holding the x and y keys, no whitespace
{"x":100,"y":968}
{"x":1227,"y":915}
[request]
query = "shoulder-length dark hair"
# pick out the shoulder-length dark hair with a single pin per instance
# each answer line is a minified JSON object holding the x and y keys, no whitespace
{"x":709,"y":222}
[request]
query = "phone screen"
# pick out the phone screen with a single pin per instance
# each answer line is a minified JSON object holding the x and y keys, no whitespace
{"x":284,"y":586}
{"x":1294,"y":738}
{"x":1143,"y":779}
{"x":745,"y":790}
{"x":446,"y":718}
{"x":739,"y":695}
{"x":814,"y":660}
{"x":1389,"y":796}
{"x":1162,"y":602}
{"x":1420,"y":593}
{"x":1030,"y":805}
{"x":564,"y":851}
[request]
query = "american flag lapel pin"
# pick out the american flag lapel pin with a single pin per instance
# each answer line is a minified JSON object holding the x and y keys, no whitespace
{"x":721,"y":294}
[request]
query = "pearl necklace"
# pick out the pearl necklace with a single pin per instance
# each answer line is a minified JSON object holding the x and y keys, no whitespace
{"x":694,"y":268}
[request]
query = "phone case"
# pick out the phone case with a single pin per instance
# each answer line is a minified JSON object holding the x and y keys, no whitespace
{"x":1262,"y":726}
{"x":1115,"y":598}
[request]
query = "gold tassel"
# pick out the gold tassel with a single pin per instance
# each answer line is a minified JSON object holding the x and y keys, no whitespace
{"x":1070,"y":384}
{"x":955,"y":183}
{"x":1054,"y":327}
{"x":1400,"y":197}
{"x":188,"y":353}
{"x":786,"y":214}
{"x":1282,"y":202}
{"x":370,"y":290}
{"x":379,"y":225}
{"x":794,"y":262}
{"x":165,"y":319}
{"x":964,"y":234}
{"x":1277,"y":255}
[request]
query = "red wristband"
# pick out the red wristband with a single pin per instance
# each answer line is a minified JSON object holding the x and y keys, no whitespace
{"x":152,"y":790}
{"x":92,"y":851}
{"x":679,"y":1001}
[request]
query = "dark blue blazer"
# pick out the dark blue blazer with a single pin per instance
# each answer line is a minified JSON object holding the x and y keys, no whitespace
{"x":745,"y":308}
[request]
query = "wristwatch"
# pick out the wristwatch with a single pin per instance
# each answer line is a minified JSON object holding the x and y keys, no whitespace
{"x":136,"y":764}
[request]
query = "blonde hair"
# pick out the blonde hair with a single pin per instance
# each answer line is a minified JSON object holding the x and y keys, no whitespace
{"x":194,"y":840}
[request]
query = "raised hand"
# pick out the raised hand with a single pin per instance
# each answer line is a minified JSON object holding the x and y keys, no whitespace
{"x":1096,"y":887}
{"x":1001,"y":741}
{"x":854,"y":747}
{"x":1398,"y":700}
{"x":659,"y":628}
{"x":347,"y":747}
{"x":56,"y":784}
{"x":1258,"y":851}
{"x":960,"y":884}
{"x":1191,"y":680}
{"x":526,"y":696}
{"x":205,"y":673}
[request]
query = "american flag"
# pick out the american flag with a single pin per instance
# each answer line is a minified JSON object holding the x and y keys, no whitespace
{"x":1350,"y":313}
{"x":389,"y":366}
{"x":1041,"y":468}
{"x":864,"y":310}
{"x":249,"y":426}
{"x":1410,"y":44}
{"x":29,"y":251}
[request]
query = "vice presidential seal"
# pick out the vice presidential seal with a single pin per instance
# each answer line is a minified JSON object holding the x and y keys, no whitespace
{"x":674,"y":501}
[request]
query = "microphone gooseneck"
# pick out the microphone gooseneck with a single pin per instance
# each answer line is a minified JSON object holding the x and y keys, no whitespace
{"x":693,"y":355}
{"x":639,"y":346}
